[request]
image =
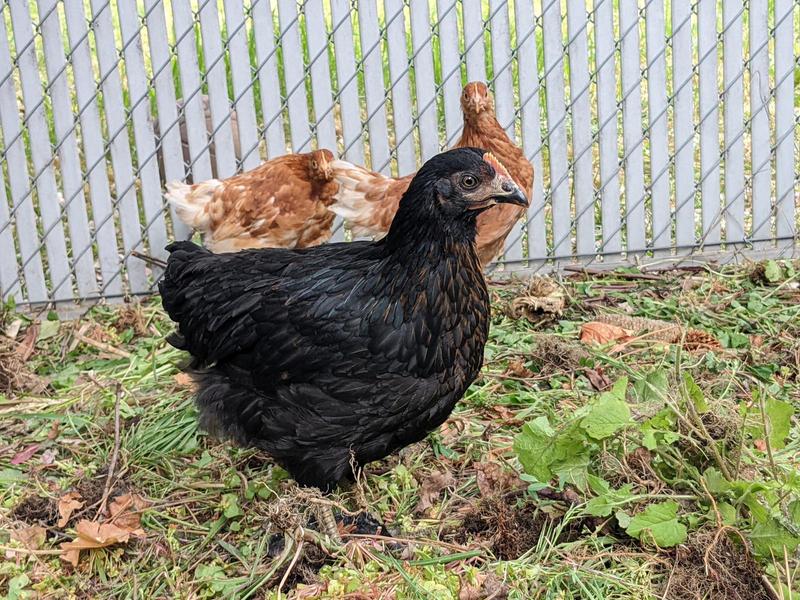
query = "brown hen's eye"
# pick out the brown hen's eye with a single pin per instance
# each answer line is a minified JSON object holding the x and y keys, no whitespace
{"x":313,"y":164}
{"x":469,"y":182}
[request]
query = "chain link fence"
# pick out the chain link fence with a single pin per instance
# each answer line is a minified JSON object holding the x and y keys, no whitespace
{"x":658,"y":129}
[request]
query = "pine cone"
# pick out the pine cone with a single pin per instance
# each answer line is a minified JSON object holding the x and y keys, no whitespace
{"x":697,"y":339}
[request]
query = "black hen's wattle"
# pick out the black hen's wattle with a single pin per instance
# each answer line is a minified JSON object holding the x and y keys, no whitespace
{"x":339,"y":352}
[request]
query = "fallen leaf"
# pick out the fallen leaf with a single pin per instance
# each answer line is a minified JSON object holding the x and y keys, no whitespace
{"x":431,"y":488}
{"x":493,"y":479}
{"x":25,"y":349}
{"x":760,"y":445}
{"x":126,"y":511}
{"x":184,"y":380}
{"x":506,"y":415}
{"x":48,"y":329}
{"x":26,"y":454}
{"x":595,"y":332}
{"x":91,"y":535}
{"x":55,"y":429}
{"x":485,"y":586}
{"x":32,"y":537}
{"x":67,"y":504}
{"x":598,"y":379}
{"x":516,"y":368}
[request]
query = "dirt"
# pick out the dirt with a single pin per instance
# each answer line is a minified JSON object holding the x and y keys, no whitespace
{"x":509,"y":526}
{"x":36,"y":510}
{"x":15,"y":377}
{"x":712,"y":564}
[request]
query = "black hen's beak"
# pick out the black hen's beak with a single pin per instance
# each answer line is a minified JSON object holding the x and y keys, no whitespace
{"x":509,"y":193}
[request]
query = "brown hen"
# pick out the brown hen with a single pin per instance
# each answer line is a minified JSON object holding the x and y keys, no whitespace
{"x":282,"y":203}
{"x":369,"y":200}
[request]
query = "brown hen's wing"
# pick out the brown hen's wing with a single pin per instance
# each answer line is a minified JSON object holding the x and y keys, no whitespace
{"x":272,"y":206}
{"x":367,"y":200}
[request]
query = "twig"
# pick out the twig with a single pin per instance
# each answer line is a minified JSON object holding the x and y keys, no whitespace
{"x":30,"y":551}
{"x":611,"y":273}
{"x":276,"y":564}
{"x":771,"y":591}
{"x":156,"y":262}
{"x":101,"y":345}
{"x":291,"y":564}
{"x":114,"y":455}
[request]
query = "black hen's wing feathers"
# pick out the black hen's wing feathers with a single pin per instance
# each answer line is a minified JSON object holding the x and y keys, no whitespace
{"x":256,"y":311}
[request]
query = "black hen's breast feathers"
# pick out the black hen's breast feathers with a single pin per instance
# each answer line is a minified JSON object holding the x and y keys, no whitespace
{"x":321,"y":354}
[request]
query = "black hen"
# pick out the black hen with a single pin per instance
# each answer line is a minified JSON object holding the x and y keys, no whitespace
{"x":357,"y":348}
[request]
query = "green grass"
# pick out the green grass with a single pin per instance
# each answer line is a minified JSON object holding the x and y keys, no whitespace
{"x":211,"y":508}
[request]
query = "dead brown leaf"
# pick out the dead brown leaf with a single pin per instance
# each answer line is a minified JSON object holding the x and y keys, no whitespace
{"x":598,"y":379}
{"x":25,"y":349}
{"x":55,"y":429}
{"x":431,"y":488}
{"x":504,"y":414}
{"x":486,"y":585}
{"x":67,"y":504}
{"x":126,"y":511}
{"x":516,"y":368}
{"x":93,"y":535}
{"x":493,"y":479}
{"x":595,"y":332}
{"x":32,"y":537}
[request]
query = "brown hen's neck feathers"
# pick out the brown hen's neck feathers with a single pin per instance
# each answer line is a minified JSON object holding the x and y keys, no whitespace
{"x":482,"y":130}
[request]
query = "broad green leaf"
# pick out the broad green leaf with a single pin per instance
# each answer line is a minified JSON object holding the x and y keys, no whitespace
{"x":653,"y":387}
{"x":649,"y":440}
{"x":607,"y":415}
{"x":573,"y":470}
{"x":715,"y":482}
{"x":779,"y":415}
{"x":544,"y":451}
{"x":534,"y":447}
{"x":619,"y":388}
{"x":623,"y":518}
{"x":770,"y":537}
{"x":658,"y":523}
{"x":728,"y":513}
{"x":772,"y":271}
{"x":48,"y":329}
{"x":695,"y":394}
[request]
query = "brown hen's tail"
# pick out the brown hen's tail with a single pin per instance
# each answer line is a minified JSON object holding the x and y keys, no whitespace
{"x":190,"y":202}
{"x":366,"y":200}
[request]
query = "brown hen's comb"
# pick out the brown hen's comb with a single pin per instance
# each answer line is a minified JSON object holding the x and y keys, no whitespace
{"x":496,"y":164}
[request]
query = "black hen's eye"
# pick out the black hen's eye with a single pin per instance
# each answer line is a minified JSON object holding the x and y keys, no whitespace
{"x":469,"y":182}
